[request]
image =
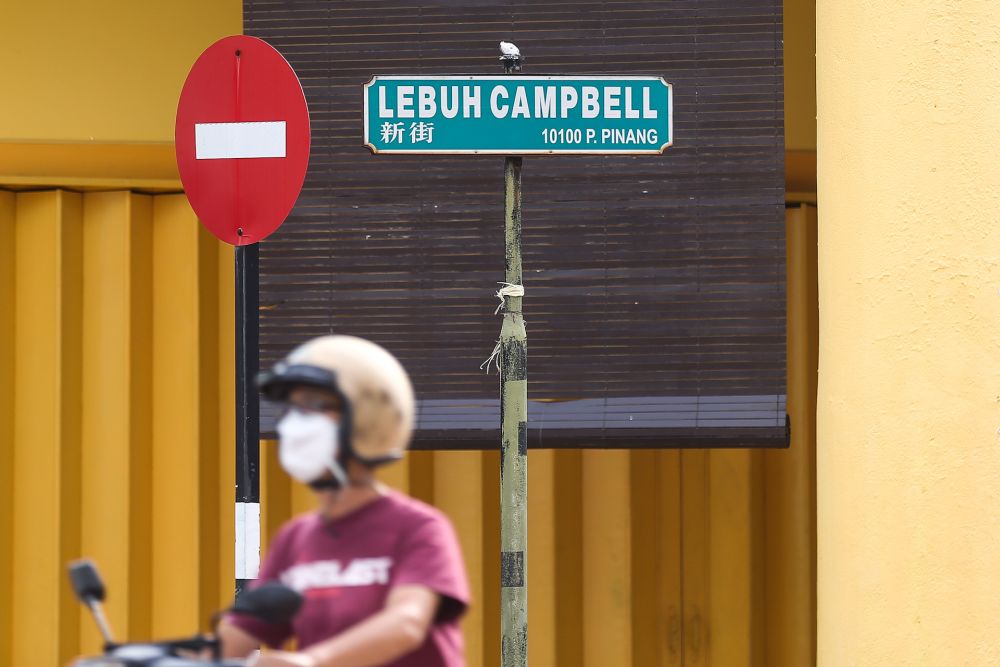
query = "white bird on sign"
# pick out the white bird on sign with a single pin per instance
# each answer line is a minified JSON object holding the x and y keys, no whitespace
{"x":510,"y":50}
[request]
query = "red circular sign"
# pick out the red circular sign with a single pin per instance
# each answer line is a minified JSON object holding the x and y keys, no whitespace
{"x":242,"y":139}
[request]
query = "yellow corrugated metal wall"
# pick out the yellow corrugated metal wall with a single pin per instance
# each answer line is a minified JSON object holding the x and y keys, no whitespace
{"x":116,"y":432}
{"x":116,"y":368}
{"x":6,"y":420}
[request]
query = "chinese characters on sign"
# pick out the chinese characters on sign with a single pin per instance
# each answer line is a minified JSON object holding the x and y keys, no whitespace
{"x":394,"y":133}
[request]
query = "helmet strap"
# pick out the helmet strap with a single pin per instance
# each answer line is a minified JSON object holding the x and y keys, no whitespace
{"x":325,"y":484}
{"x":346,"y":430}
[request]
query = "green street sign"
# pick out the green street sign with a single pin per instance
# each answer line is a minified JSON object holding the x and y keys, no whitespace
{"x":518,"y":115}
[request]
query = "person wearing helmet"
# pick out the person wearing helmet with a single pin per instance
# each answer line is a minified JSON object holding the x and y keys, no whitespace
{"x":381,"y":573}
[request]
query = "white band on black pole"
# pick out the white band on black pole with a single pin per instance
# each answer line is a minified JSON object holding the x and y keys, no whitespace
{"x":247,"y":540}
{"x":247,"y":417}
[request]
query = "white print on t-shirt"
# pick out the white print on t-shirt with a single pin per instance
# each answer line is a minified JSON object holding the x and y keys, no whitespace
{"x":330,"y":574}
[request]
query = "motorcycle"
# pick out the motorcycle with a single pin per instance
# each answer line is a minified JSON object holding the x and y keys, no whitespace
{"x":271,"y":602}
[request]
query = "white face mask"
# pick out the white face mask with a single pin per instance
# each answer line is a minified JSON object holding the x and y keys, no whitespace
{"x":309,"y":446}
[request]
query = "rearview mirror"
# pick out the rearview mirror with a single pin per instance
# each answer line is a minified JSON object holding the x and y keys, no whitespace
{"x":86,"y":582}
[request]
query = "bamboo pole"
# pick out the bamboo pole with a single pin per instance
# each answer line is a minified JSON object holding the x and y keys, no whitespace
{"x":513,"y":440}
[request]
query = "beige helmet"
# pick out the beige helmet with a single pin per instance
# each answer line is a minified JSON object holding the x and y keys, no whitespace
{"x":378,"y":404}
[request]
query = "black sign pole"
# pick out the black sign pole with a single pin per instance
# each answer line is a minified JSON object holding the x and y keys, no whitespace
{"x":247,"y":416}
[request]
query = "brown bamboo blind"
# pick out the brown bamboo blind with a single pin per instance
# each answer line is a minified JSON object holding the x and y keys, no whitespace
{"x":655,"y":285}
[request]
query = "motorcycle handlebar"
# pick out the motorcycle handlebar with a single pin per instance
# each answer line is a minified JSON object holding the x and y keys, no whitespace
{"x":161,"y":654}
{"x":168,"y":661}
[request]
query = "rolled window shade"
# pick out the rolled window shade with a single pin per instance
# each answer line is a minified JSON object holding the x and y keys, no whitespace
{"x":654,"y":285}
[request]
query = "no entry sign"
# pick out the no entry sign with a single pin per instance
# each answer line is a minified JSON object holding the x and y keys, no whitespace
{"x":242,"y":139}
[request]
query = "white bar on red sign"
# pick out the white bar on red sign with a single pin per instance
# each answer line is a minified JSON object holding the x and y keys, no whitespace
{"x":222,"y":141}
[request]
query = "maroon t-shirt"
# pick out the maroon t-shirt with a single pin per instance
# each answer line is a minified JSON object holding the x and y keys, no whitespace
{"x":345,"y":569}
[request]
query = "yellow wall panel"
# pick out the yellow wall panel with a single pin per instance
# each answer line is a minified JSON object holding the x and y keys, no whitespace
{"x":695,"y":555}
{"x":175,"y":418}
{"x":91,"y":100}
{"x":120,"y":63}
{"x":734,"y":567}
{"x":908,"y":452}
{"x":569,"y":557}
{"x":607,"y":559}
{"x":667,"y":531}
{"x":211,"y":496}
{"x":645,"y":563}
{"x":790,"y":474}
{"x":117,"y":323}
{"x":542,"y":557}
{"x":185,"y":447}
{"x":422,"y":475}
{"x":656,"y":593}
{"x":47,"y":331}
{"x":140,"y":397}
{"x":7,"y":218}
{"x":126,"y":306}
{"x":103,"y":408}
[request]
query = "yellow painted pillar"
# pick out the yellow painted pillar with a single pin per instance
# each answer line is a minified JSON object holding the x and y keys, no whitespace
{"x":46,"y":489}
{"x":669,"y":610}
{"x":542,"y":598}
{"x":735,"y":558}
{"x":655,"y":489}
{"x":115,"y":496}
{"x":570,"y":581}
{"x":7,"y":210}
{"x":721,"y":553}
{"x":790,"y":474}
{"x":607,"y":558}
{"x":421,"y":469}
{"x":212,"y":451}
{"x":695,"y":556}
{"x":185,"y":421}
{"x":908,"y":453}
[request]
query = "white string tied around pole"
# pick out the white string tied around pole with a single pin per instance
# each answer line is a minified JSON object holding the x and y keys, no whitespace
{"x":494,"y":359}
{"x":507,"y":289}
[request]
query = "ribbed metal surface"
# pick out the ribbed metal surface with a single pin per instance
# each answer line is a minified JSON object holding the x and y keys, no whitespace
{"x":119,"y":450}
{"x":646,"y":278}
{"x":116,"y":391}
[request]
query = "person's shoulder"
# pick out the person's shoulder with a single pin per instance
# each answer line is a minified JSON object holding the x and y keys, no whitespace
{"x":419,"y":524}
{"x":411,"y":509}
